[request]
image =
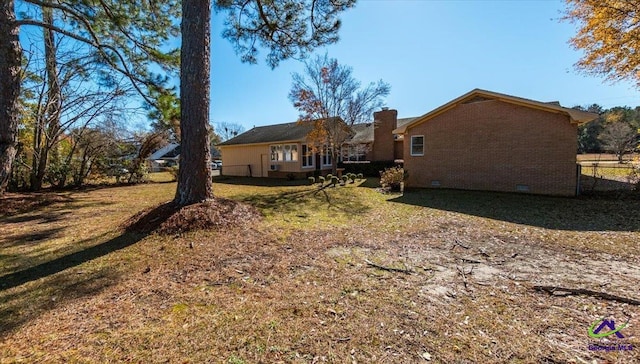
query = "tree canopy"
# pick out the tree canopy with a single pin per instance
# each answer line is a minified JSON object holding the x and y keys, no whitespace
{"x":328,"y":96}
{"x":609,"y":37}
{"x":119,"y":39}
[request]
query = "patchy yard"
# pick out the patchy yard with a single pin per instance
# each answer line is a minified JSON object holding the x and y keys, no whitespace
{"x":347,"y":276}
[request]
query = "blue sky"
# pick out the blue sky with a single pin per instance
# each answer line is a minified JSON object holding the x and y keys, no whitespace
{"x":429,"y":52}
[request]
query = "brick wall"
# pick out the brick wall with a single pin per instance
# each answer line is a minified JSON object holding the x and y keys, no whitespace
{"x":496,"y":146}
{"x":383,"y":142}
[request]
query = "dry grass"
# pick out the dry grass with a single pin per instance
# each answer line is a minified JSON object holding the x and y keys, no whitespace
{"x":295,"y":286}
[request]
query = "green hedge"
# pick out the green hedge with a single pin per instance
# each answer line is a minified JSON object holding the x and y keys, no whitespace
{"x":370,"y":169}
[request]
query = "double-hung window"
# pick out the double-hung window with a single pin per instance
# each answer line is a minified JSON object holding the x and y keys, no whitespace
{"x":307,"y":156}
{"x":326,"y":156}
{"x":417,"y":145}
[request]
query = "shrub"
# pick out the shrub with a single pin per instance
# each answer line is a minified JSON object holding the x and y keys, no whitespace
{"x":334,"y":180}
{"x":321,"y":180}
{"x":392,"y":178}
{"x":371,"y":169}
{"x":360,"y":176}
{"x":312,"y":180}
{"x":329,"y":176}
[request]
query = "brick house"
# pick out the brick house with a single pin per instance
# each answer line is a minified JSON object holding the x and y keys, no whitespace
{"x":281,"y":150}
{"x":484,"y":140}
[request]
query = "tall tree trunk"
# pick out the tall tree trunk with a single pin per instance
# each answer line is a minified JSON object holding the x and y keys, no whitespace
{"x":194,"y":176}
{"x":10,"y":62}
{"x":54,"y":93}
{"x":48,"y":125}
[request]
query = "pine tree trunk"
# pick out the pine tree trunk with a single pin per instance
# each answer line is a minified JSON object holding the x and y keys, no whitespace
{"x":194,"y":176}
{"x":10,"y":59}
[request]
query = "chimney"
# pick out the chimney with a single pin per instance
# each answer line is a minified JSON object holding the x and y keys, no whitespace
{"x":383,"y":143}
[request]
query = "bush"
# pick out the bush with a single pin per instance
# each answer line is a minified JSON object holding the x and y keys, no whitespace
{"x":312,"y":180}
{"x":334,"y":180}
{"x":371,"y":169}
{"x":321,"y":180}
{"x":392,"y":178}
{"x":360,"y":176}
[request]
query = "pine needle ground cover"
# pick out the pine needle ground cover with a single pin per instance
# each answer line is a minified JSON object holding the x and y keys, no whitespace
{"x":344,"y":274}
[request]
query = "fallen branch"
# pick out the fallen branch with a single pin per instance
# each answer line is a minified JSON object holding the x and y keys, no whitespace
{"x":562,"y":291}
{"x":472,"y":261}
{"x":464,"y":275}
{"x":388,"y":269}
{"x":459,"y":243}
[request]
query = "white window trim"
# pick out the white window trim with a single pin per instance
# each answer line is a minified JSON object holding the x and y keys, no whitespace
{"x":282,"y":150}
{"x":303,"y":157}
{"x":323,"y":155}
{"x":411,"y":146}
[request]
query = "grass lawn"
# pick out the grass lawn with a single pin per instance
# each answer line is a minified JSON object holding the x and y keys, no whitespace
{"x":340,"y":275}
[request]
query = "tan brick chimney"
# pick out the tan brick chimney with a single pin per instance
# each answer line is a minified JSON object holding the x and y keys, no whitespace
{"x":383,"y":143}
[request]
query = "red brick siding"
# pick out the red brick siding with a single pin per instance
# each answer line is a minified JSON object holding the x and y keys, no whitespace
{"x":495,"y":146}
{"x":383,"y":142}
{"x":398,"y":149}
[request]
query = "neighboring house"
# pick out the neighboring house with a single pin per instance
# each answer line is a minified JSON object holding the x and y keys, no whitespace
{"x":489,"y":141}
{"x":164,"y":157}
{"x":282,"y":150}
{"x":169,"y":156}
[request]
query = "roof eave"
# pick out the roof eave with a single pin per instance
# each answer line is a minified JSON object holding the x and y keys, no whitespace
{"x":262,"y":143}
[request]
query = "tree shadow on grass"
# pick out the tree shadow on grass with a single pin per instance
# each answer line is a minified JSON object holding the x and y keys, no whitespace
{"x":306,"y":199}
{"x":260,"y":181}
{"x":558,"y":213}
{"x":60,"y":264}
{"x":30,"y":238}
{"x":26,"y":294}
{"x":16,"y":203}
{"x":24,"y":303}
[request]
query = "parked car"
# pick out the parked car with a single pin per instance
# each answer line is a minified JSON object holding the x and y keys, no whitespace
{"x":216,"y":165}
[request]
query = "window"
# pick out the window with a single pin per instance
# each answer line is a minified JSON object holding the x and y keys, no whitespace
{"x":354,"y":153}
{"x":276,"y":153}
{"x":290,"y":152}
{"x":326,"y":156}
{"x":417,"y":145}
{"x":286,"y":152}
{"x":307,"y":156}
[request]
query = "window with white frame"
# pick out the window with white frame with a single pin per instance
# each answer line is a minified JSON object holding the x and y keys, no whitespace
{"x":307,"y":156}
{"x":284,"y":152}
{"x":417,"y":145}
{"x":276,"y":153}
{"x":326,"y":156}
{"x":354,"y":153}
{"x":290,"y":152}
